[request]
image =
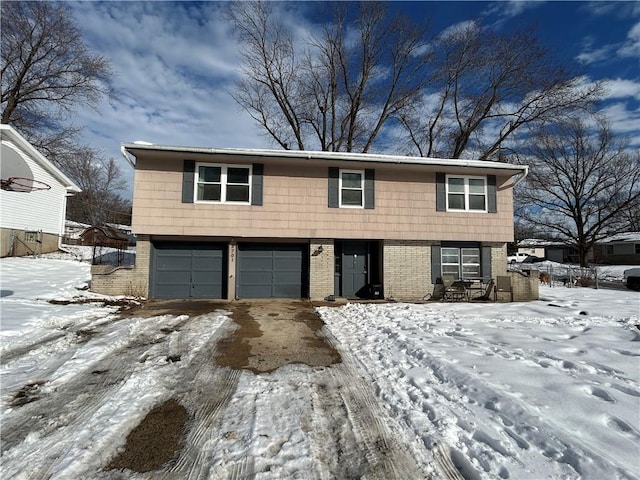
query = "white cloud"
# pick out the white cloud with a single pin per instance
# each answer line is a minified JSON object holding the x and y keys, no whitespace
{"x":631,"y":48}
{"x":625,"y":9}
{"x":174,"y":66}
{"x":459,"y":28}
{"x":512,"y":8}
{"x":506,"y":10}
{"x":624,"y":121}
{"x":621,"y":88}
{"x":600,"y":54}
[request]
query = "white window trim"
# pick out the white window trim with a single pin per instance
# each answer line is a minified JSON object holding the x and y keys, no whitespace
{"x":461,"y":263}
{"x":223,"y":182}
{"x":361,"y":172}
{"x":467,"y":194}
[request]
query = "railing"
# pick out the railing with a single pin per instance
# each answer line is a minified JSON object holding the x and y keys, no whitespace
{"x":561,"y":274}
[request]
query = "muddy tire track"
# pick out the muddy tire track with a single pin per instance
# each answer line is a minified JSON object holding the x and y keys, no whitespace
{"x":368,"y":448}
{"x":76,"y":401}
{"x":210,"y":393}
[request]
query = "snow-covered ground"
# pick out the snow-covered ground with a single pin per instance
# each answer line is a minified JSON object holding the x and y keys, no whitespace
{"x":546,"y":389}
{"x":538,"y":390}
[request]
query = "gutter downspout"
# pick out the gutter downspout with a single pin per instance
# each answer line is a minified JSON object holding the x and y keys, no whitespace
{"x":520,"y":177}
{"x":124,"y":153}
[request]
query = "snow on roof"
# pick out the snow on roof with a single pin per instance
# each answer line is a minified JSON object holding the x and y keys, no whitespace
{"x":538,"y":242}
{"x":623,"y":237}
{"x":73,"y":224}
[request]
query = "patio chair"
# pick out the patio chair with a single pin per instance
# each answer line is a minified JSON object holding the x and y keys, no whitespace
{"x":486,"y":294}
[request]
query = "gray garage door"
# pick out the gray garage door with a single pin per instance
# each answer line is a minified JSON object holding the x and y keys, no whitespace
{"x":188,"y":270}
{"x":272,"y":271}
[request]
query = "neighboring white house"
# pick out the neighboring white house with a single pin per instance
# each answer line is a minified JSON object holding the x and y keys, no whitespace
{"x":30,"y":222}
{"x":554,"y":251}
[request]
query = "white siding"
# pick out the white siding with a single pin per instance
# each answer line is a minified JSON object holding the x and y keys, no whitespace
{"x":39,"y":210}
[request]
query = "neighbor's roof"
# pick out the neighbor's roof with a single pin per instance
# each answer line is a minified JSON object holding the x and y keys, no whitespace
{"x":336,"y":156}
{"x":623,"y":237}
{"x":8,"y":133}
{"x":108,"y":232}
{"x":539,"y":242}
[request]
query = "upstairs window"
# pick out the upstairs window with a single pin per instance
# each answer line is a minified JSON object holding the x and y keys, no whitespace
{"x":223,"y":183}
{"x":352,"y":188}
{"x":467,"y":194}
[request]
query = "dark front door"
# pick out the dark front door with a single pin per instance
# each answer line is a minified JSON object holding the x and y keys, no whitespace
{"x":355,"y":267}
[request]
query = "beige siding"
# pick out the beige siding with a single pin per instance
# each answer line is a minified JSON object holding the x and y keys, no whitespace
{"x":295,"y":206}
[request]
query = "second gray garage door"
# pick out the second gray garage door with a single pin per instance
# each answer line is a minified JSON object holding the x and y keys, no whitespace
{"x":272,"y":271}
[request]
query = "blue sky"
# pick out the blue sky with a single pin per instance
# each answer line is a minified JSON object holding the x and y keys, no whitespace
{"x":175,"y":63}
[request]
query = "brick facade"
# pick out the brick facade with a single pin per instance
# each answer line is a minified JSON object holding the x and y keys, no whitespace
{"x":321,"y":269}
{"x":129,"y":281}
{"x":407,"y":269}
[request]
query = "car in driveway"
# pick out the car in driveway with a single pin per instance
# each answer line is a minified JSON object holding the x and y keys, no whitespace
{"x":517,"y":257}
{"x":632,"y":279}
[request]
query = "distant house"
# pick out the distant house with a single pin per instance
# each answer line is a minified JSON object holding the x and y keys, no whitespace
{"x":552,"y":250}
{"x":73,"y":230}
{"x":620,"y":249}
{"x":104,"y":236}
{"x":31,"y":222}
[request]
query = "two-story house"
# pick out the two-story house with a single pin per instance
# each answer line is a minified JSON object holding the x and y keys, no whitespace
{"x":240,"y":223}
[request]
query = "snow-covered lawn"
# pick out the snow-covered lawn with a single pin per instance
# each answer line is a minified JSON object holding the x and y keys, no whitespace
{"x":546,"y":389}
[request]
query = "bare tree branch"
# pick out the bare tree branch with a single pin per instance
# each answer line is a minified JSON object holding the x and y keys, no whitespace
{"x":488,"y":87}
{"x":582,"y":185}
{"x":46,"y":67}
{"x":340,"y":88}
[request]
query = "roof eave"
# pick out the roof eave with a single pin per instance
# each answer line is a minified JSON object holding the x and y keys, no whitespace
{"x":15,"y":137}
{"x":335,"y":156}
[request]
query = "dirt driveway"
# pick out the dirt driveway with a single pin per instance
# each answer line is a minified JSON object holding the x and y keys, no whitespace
{"x":269,"y":335}
{"x":207,"y":429}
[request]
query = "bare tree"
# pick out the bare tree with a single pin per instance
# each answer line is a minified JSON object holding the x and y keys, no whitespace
{"x":484,"y":87}
{"x":100,"y":181}
{"x":46,"y":71}
{"x":337,"y":90}
{"x":582,"y":184}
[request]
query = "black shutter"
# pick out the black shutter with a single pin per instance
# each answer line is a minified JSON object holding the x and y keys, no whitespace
{"x":369,"y":189}
{"x":256,"y":183}
{"x":492,"y":206}
{"x":188,"y":178}
{"x":485,"y":260}
{"x":334,"y":173}
{"x":441,"y":193}
{"x":435,"y":264}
